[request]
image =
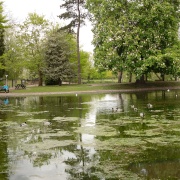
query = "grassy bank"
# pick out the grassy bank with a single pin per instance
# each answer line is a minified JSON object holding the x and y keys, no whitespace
{"x":97,"y":87}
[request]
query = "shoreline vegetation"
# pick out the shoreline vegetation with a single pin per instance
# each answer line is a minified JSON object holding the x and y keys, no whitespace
{"x":93,"y":88}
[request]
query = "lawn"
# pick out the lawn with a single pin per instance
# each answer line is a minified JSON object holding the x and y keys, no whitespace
{"x":98,"y":87}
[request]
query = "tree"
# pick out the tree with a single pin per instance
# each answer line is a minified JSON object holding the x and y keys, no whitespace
{"x":167,"y":63}
{"x":56,"y":57}
{"x":14,"y":62}
{"x":86,"y":65}
{"x":32,"y":33}
{"x":160,"y":31}
{"x":75,"y":12}
{"x":126,"y":33}
{"x":3,"y":21}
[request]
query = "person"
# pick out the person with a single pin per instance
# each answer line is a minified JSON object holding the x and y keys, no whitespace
{"x":6,"y":88}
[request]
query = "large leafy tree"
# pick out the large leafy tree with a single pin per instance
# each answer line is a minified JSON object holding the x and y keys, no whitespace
{"x":76,"y":14}
{"x":3,"y":21}
{"x":126,"y":33}
{"x":57,"y":52}
{"x":167,"y":63}
{"x":14,"y":62}
{"x":32,"y":34}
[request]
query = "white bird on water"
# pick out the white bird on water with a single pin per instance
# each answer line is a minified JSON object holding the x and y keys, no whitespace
{"x":47,"y":123}
{"x":118,"y":109}
{"x":142,"y":115}
{"x":144,"y":172}
{"x":132,"y":106}
{"x":135,"y":109}
{"x":149,"y":105}
{"x":23,"y":124}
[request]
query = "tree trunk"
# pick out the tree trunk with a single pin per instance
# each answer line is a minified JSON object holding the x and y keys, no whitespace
{"x":141,"y":80}
{"x":162,"y":76}
{"x":78,"y":52}
{"x":60,"y":82}
{"x":120,"y":76}
{"x":146,"y":77}
{"x":40,"y":79}
{"x":130,"y":77}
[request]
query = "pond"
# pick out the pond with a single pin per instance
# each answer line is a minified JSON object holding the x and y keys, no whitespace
{"x":95,"y":137}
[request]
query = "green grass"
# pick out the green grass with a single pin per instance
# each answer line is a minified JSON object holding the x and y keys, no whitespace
{"x":96,"y":87}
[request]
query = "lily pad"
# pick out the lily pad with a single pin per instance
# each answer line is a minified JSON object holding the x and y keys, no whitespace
{"x":65,"y":118}
{"x":97,"y":130}
{"x":146,"y":133}
{"x":47,"y":144}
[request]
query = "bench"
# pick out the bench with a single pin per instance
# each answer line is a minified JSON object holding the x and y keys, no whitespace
{"x":20,"y":86}
{"x":4,"y":90}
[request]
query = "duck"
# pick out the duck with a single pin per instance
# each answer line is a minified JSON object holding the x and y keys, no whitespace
{"x":47,"y":123}
{"x":144,"y":172}
{"x":23,"y":124}
{"x":142,"y":115}
{"x":149,"y":105}
{"x":135,"y":109}
{"x":132,"y":106}
{"x":118,"y":110}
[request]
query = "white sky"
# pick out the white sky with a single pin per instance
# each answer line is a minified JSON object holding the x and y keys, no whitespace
{"x":19,"y":10}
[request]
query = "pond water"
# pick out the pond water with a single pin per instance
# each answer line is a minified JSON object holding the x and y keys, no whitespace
{"x":89,"y":138}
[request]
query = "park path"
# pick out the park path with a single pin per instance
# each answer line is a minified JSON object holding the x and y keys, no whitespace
{"x":2,"y":94}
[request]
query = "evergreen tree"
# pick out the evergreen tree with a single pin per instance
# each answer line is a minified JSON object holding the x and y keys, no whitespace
{"x":57,"y":66}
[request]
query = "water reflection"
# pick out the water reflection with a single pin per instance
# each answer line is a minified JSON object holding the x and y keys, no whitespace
{"x":87,"y":140}
{"x":4,"y":101}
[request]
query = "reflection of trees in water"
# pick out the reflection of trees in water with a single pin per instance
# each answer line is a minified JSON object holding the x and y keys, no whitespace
{"x":41,"y":159}
{"x":4,"y":101}
{"x":78,"y":166}
{"x":121,"y":102}
{"x":83,"y":165}
{"x":4,"y":169}
{"x":167,"y":165}
{"x":4,"y":138}
{"x":1,"y":102}
{"x":56,"y":105}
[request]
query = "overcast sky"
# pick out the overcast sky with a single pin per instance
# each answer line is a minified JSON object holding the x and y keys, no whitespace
{"x":19,"y":10}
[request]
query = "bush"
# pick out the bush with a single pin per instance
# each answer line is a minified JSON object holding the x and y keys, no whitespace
{"x":51,"y":82}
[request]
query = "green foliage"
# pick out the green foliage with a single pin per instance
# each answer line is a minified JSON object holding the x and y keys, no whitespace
{"x":167,"y":63}
{"x":86,"y":65}
{"x":51,"y":81}
{"x":71,"y":13}
{"x":24,"y":54}
{"x":32,"y":34}
{"x":56,"y":57}
{"x":127,"y":33}
{"x":75,"y":14}
{"x":3,"y":26}
{"x":14,"y":62}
